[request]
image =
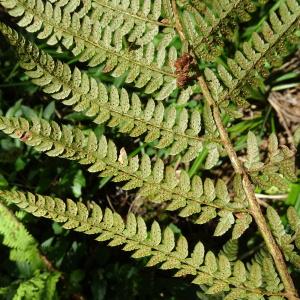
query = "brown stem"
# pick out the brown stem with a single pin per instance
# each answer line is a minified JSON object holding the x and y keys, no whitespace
{"x":177,"y":22}
{"x":48,"y":264}
{"x":253,"y":203}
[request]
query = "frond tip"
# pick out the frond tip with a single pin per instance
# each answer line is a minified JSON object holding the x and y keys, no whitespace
{"x":161,"y":246}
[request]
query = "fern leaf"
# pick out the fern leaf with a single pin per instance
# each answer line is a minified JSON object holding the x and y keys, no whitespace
{"x":234,"y":79}
{"x":288,"y":244}
{"x":253,"y":160}
{"x":23,"y":245}
{"x":157,"y":182}
{"x":204,"y":24}
{"x":40,"y":286}
{"x":168,"y":252}
{"x":98,"y":38}
{"x":271,"y":277}
{"x":170,"y":127}
{"x":230,"y":250}
{"x":242,"y":224}
{"x":225,"y":223}
{"x":277,"y":170}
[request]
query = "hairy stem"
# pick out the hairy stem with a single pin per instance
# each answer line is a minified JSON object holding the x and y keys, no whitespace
{"x":253,"y":202}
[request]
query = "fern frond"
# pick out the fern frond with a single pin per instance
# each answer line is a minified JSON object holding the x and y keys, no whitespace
{"x":159,"y":183}
{"x":140,"y":21}
{"x":279,"y":168}
{"x":172,"y":127}
{"x":237,"y":75}
{"x":288,"y":242}
{"x":23,"y":246}
{"x":40,"y":286}
{"x":272,"y":279}
{"x":99,"y":41}
{"x":160,"y":245}
{"x":204,"y":25}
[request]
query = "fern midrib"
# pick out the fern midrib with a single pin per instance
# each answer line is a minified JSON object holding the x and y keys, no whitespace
{"x":111,"y":52}
{"x":144,"y":244}
{"x":215,"y":28}
{"x":86,"y":153}
{"x":242,"y":82}
{"x":135,"y":16}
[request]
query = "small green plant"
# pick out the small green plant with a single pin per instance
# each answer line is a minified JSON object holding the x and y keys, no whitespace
{"x":154,"y":58}
{"x":24,"y":251}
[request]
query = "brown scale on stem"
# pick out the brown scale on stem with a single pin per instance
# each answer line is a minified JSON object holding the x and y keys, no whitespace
{"x":184,"y":69}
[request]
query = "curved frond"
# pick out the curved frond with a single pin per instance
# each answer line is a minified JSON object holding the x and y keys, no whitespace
{"x":156,"y":181}
{"x":263,"y":47}
{"x":175,"y":128}
{"x":161,"y":246}
{"x":97,"y":37}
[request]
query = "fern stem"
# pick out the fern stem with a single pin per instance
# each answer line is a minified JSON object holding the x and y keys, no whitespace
{"x":253,"y":203}
{"x":177,"y":22}
{"x":279,"y":197}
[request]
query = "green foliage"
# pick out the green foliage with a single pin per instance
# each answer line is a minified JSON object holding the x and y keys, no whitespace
{"x":24,"y":250}
{"x":22,"y":244}
{"x":175,"y":128}
{"x":88,"y":31}
{"x":41,"y":286}
{"x":205,"y":22}
{"x":277,"y":170}
{"x":160,"y":245}
{"x":131,"y":68}
{"x":288,"y":237}
{"x":157,"y":182}
{"x":262,"y":49}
